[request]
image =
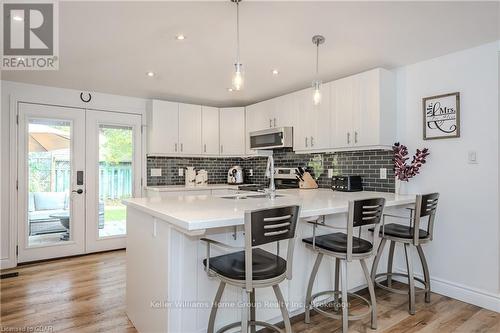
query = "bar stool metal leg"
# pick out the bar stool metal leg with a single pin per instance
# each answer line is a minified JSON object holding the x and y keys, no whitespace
{"x":252,"y":311}
{"x":389,"y":263}
{"x":337,"y":280}
{"x":215,"y":306}
{"x":345,"y":301}
{"x":425,"y":268}
{"x":244,"y":312}
{"x":282,"y":305}
{"x":377,"y":258}
{"x":371,"y":290}
{"x":314,"y":272}
{"x":411,"y":281}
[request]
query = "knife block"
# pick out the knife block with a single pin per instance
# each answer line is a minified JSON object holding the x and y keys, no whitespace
{"x":308,"y":182}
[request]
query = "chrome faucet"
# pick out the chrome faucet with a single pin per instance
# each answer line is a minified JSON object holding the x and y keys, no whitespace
{"x":271,"y":190}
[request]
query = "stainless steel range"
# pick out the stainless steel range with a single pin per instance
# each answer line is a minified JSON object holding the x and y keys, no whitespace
{"x":286,"y":178}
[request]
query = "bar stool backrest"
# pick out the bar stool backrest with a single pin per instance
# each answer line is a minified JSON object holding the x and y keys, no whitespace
{"x":362,"y":213}
{"x":425,"y":206}
{"x":270,"y":225}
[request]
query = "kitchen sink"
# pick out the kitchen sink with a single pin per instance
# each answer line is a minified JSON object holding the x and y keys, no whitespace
{"x":251,"y":196}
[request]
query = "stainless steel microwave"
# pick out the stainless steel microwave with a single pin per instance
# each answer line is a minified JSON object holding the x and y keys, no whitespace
{"x":281,"y":137}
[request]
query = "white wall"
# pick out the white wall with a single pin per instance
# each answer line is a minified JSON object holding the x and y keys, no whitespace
{"x":20,"y":92}
{"x":464,"y":256}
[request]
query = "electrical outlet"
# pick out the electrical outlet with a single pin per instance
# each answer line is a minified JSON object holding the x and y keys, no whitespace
{"x":155,"y":172}
{"x":181,"y":172}
{"x":330,"y":173}
{"x":383,"y":173}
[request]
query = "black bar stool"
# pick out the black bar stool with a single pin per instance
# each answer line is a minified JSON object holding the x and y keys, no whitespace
{"x":408,"y":235}
{"x":253,"y":267}
{"x":344,"y":248}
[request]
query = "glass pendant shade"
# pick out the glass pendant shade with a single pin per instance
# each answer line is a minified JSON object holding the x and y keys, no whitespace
{"x":238,"y":77}
{"x":316,"y":86}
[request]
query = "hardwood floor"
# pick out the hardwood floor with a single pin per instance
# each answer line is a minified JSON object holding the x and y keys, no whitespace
{"x":87,"y":294}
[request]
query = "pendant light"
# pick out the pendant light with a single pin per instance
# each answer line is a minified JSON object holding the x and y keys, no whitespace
{"x":238,"y":78}
{"x":316,"y":85}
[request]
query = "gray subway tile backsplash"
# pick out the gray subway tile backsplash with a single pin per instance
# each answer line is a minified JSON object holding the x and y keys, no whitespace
{"x":364,"y":163}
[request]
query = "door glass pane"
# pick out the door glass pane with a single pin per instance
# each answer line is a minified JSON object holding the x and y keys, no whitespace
{"x":49,"y":181}
{"x":115,"y":178}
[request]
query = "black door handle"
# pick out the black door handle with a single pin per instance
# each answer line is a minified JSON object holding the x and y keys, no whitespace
{"x":79,"y":191}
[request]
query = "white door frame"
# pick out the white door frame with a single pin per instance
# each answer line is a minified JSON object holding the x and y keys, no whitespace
{"x":76,"y":245}
{"x":27,"y":93}
{"x":94,"y":118}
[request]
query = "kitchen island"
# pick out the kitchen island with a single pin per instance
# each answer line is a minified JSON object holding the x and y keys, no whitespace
{"x":167,"y":287}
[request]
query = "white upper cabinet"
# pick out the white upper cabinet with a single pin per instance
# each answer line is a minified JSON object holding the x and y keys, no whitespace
{"x":189,"y":129}
{"x":312,"y":129}
{"x":210,"y":130}
{"x":364,"y":112}
{"x":276,"y":112}
{"x":163,"y":127}
{"x":285,"y":111}
{"x":232,"y":131}
{"x":342,"y":112}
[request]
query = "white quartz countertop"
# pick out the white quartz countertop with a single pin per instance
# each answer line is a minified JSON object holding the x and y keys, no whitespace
{"x":177,"y":188}
{"x":200,"y":212}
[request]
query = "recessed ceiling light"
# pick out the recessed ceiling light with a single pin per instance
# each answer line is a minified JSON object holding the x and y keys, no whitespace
{"x":150,"y":74}
{"x":180,"y":37}
{"x":275,"y":72}
{"x":230,"y":89}
{"x":17,"y":18}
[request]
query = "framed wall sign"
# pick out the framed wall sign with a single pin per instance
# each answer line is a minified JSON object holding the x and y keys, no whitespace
{"x":441,"y":116}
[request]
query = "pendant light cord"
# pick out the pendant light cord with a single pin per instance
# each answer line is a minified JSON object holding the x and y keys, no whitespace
{"x":317,"y":58}
{"x":237,"y":33}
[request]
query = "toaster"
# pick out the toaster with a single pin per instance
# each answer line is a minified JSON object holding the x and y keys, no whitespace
{"x":347,"y":183}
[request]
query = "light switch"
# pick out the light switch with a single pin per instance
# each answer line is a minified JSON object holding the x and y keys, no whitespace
{"x":181,"y":172}
{"x":330,"y":173}
{"x":472,"y":157}
{"x":383,"y":173}
{"x":155,"y":172}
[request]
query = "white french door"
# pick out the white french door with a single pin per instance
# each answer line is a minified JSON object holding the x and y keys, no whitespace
{"x":51,"y":200}
{"x":74,"y":168}
{"x":113,"y":173}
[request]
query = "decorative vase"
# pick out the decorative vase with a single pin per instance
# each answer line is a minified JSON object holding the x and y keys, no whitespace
{"x":397,"y":186}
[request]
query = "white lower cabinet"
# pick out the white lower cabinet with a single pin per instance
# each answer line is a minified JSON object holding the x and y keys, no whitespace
{"x":232,"y":131}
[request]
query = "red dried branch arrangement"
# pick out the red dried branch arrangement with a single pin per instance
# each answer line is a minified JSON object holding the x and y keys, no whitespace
{"x":403,"y":171}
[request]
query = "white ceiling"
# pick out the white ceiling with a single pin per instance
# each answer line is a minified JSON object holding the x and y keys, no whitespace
{"x":109,"y":46}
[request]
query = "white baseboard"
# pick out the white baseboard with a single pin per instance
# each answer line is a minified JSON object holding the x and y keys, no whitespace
{"x":7,"y":263}
{"x":484,"y":299}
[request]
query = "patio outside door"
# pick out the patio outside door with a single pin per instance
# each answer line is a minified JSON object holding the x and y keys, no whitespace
{"x":75,"y":167}
{"x":51,"y":189}
{"x":113,"y":173}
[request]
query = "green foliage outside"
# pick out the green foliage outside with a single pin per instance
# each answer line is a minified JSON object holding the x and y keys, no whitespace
{"x":116,"y":145}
